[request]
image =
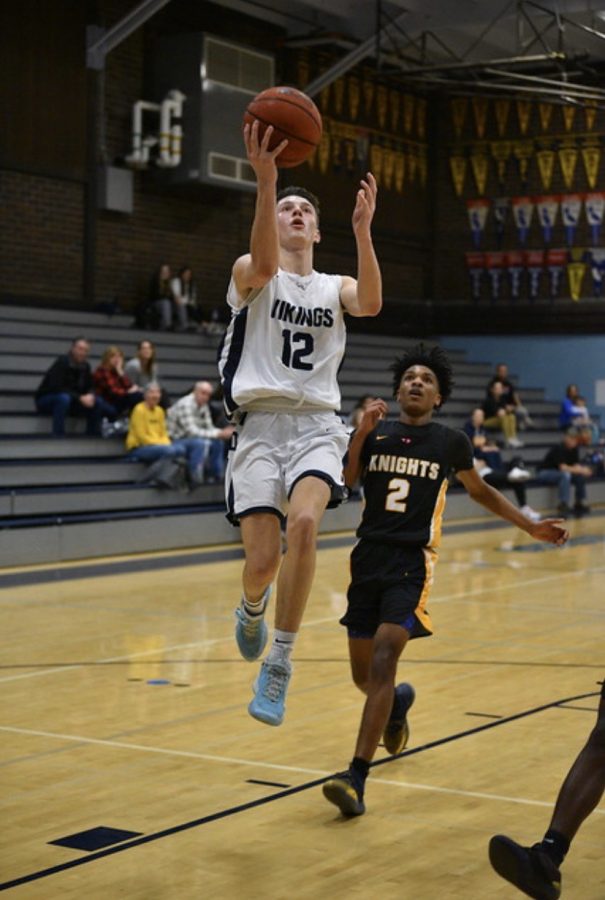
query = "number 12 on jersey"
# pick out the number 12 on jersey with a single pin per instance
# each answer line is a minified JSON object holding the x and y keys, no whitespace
{"x":296,"y":348}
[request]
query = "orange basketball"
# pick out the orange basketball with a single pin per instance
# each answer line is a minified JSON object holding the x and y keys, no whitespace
{"x":294,"y":116}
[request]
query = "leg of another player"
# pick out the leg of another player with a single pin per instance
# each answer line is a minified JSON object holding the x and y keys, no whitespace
{"x":373,"y":667}
{"x":535,"y":870}
{"x":307,"y":504}
{"x":389,"y":643}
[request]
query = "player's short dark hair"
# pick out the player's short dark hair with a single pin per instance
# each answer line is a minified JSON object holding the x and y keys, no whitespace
{"x":434,"y":359}
{"x":294,"y":191}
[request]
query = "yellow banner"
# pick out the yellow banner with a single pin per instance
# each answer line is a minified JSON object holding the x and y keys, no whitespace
{"x":382,"y":102}
{"x":501,"y":110}
{"x":480,"y":114}
{"x":523,"y":114}
{"x":412,"y":164}
{"x":459,"y":107}
{"x":458,"y":170}
{"x":354,"y":94}
{"x":394,"y":108}
{"x":569,"y":114}
{"x":408,"y":112}
{"x":479,"y":165}
{"x":523,"y":151}
{"x":421,"y":117}
{"x":388,"y":166}
{"x":591,"y":157}
{"x":302,"y":68}
{"x":590,"y":114}
{"x":399,"y":171}
{"x":575,"y":275}
{"x":546,"y":167}
{"x":367,"y":87}
{"x":545,"y":113}
{"x":376,"y":157}
{"x":568,"y":158}
{"x":501,"y":151}
{"x":323,"y":153}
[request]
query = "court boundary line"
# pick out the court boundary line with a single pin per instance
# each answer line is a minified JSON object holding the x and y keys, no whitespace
{"x":262,"y":801}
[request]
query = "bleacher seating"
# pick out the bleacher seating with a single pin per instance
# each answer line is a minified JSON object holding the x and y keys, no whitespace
{"x":76,"y":497}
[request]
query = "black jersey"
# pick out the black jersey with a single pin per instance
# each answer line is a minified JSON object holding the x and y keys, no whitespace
{"x":405,"y":477}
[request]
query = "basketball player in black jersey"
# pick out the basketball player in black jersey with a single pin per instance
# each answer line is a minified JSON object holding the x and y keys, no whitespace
{"x":404,"y":466}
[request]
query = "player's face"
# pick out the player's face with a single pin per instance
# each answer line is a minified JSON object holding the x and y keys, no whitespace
{"x":297,"y":220}
{"x":418,"y":392}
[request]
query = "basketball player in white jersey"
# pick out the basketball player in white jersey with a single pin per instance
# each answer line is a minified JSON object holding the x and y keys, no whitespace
{"x":278,"y":366}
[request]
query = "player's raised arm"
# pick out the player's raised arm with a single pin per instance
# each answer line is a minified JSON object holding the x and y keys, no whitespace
{"x":363,"y":297}
{"x":549,"y":530}
{"x":375,"y":411}
{"x":256,"y":268}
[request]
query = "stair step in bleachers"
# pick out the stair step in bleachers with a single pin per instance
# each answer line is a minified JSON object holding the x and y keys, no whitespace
{"x":73,"y":497}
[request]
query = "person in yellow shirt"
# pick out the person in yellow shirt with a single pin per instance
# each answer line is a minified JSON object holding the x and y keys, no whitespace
{"x":148,"y":440}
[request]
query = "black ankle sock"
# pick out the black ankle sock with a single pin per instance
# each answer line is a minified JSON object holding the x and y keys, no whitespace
{"x":555,"y":845}
{"x":360,"y":766}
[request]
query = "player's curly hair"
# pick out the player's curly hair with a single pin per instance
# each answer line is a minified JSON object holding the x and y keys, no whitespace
{"x":434,"y":359}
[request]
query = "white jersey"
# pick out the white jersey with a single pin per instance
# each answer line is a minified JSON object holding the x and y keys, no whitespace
{"x":284,"y":346}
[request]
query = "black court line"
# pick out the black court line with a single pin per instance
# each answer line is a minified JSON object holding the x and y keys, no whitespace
{"x":483,"y":715}
{"x":267,"y":783}
{"x":271,"y":798}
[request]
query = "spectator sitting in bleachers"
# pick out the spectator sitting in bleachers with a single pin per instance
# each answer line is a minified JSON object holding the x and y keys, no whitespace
{"x":575,"y":413}
{"x":148,"y":440}
{"x":143,"y":368}
{"x":191,"y":417}
{"x":499,"y":415}
{"x":493,"y":469}
{"x":512,"y":397}
{"x":562,"y":467}
{"x":356,"y":413}
{"x":67,"y":389}
{"x":184,"y":291}
{"x":114,"y":386}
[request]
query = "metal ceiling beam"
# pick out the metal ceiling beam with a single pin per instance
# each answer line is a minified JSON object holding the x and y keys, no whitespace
{"x":100,"y":42}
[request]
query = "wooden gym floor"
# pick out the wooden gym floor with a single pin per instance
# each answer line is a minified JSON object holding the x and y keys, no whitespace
{"x":124,"y":707}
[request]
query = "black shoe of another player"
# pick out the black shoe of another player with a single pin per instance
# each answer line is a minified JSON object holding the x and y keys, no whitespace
{"x":397,"y":732}
{"x":528,"y":868}
{"x":345,"y":790}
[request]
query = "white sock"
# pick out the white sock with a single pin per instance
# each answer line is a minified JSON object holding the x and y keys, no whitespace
{"x":282,"y":646}
{"x":255,"y":607}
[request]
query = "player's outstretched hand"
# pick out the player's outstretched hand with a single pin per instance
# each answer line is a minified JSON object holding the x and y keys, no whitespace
{"x":375,"y":410}
{"x":550,"y":530}
{"x":365,"y":204}
{"x":261,"y":158}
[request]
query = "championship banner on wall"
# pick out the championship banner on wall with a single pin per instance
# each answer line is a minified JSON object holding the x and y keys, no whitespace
{"x":477,"y":217}
{"x":576,"y":269}
{"x":501,"y":207}
{"x":458,"y":171}
{"x":523,"y":114}
{"x":547,"y":206}
{"x":569,"y":114}
{"x":501,"y":151}
{"x":515,"y":260}
{"x":479,"y":165}
{"x":594,"y":206}
{"x":494,"y":263}
{"x":568,"y":159}
{"x":571,"y":207}
{"x":523,"y":209}
{"x":458,"y":107}
{"x":479,"y":105}
{"x":523,"y":152}
{"x":555,"y":263}
{"x":545,"y":113}
{"x":546,"y":166}
{"x":475,"y":263}
{"x":501,"y":111}
{"x":595,"y":257}
{"x":534,"y":263}
{"x":591,"y":157}
{"x":590,"y":113}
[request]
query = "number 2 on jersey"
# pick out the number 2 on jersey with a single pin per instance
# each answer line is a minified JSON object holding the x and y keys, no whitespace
{"x":294,"y":358}
{"x":399,"y":488}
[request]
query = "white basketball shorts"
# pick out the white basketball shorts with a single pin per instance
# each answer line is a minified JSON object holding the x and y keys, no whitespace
{"x":271,"y":451}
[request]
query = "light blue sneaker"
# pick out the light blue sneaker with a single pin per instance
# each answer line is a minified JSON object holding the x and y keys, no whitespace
{"x":268,"y":703}
{"x":251,"y":632}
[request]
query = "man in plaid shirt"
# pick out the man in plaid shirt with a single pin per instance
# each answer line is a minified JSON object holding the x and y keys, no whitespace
{"x":191,"y":417}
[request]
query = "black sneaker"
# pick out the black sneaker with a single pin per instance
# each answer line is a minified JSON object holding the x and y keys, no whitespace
{"x":397,"y":732}
{"x":564,"y":509}
{"x":581,"y":509}
{"x":528,"y":868}
{"x":345,"y":790}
